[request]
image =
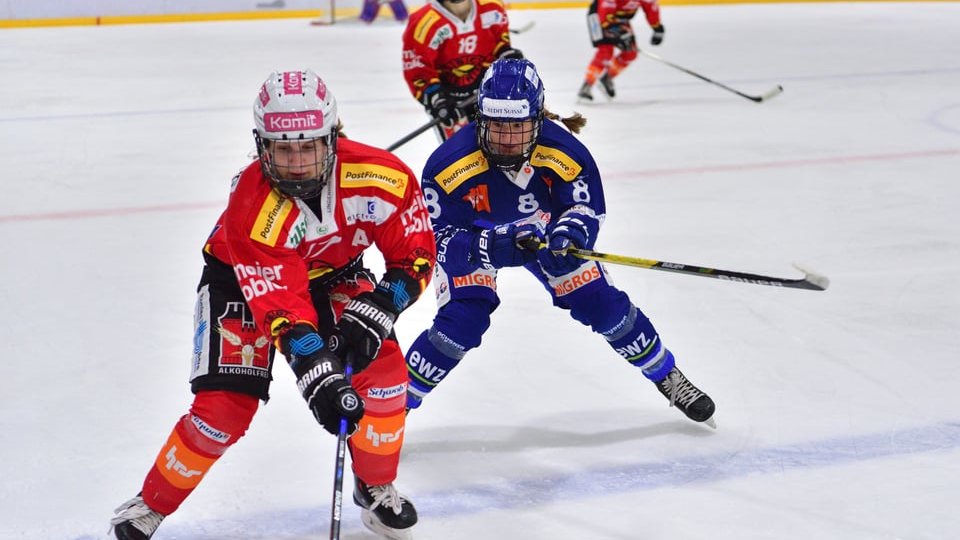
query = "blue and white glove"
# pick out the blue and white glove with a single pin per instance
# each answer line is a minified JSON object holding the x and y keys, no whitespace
{"x":572,"y":230}
{"x":502,"y":246}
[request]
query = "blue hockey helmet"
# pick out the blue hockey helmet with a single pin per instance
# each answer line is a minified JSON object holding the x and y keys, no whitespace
{"x":509,"y":112}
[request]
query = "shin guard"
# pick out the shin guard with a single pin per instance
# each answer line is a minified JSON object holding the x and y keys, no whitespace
{"x":599,"y":62}
{"x":635,"y":339}
{"x":622,"y":60}
{"x":217,"y":419}
{"x":431,"y":357}
{"x":375,"y":446}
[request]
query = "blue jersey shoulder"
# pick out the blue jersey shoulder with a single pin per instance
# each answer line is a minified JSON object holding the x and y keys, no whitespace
{"x":457,"y":163}
{"x":561,"y":152}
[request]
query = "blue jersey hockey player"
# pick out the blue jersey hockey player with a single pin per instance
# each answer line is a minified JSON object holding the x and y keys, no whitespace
{"x":497,"y":188}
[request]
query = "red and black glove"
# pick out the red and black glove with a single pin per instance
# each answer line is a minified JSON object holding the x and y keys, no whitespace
{"x":367,"y":321}
{"x":440,"y":105}
{"x":657,"y":37}
{"x":320,"y":377}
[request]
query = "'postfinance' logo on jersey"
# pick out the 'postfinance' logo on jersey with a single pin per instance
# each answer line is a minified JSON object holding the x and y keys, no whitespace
{"x":369,"y":175}
{"x":273,"y":213}
{"x":423,"y":27}
{"x":561,"y":163}
{"x":461,"y":170}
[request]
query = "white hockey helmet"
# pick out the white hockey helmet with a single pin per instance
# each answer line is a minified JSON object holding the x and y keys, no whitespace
{"x":296,"y":112}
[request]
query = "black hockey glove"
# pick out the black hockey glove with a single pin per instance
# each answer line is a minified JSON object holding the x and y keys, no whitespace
{"x":502,"y":246}
{"x":367,"y":321}
{"x":320,"y":378}
{"x":441,"y":106}
{"x":570,"y":231}
{"x":510,"y":52}
{"x":657,"y":37}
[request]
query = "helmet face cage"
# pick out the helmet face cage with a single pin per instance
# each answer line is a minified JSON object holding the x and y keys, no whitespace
{"x":296,"y":132}
{"x":509,"y":112}
{"x":298,"y":167}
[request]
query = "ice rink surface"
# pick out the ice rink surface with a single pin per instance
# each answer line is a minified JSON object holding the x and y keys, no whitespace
{"x":837,"y":411}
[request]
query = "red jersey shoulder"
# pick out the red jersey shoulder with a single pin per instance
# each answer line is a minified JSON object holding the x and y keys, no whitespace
{"x":423,"y":24}
{"x":369,"y":170}
{"x":258,"y":212}
{"x":491,"y":13}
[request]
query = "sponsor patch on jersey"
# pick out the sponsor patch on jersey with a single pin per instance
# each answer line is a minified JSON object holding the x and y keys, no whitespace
{"x":367,"y":210}
{"x":412,"y":60}
{"x":444,"y":33}
{"x":257,"y":280}
{"x":477,"y":279}
{"x":422,"y":30}
{"x":387,"y":393}
{"x":380,"y":435}
{"x":491,"y":18}
{"x":575,"y":280}
{"x":565,"y":166}
{"x":479,"y":198}
{"x":210,"y":432}
{"x":461,"y":170}
{"x":369,"y":175}
{"x":269,"y":223}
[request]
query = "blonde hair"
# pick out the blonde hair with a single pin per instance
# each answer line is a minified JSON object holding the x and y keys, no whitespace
{"x":574,"y":123}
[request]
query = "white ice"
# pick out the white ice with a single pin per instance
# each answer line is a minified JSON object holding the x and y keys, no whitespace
{"x":837,"y":411}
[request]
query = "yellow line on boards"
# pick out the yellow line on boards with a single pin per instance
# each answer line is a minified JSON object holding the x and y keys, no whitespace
{"x":159,"y":18}
{"x":351,"y":12}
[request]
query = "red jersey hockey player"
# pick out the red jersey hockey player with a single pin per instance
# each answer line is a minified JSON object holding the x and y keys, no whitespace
{"x":609,"y":24}
{"x":447,"y":47}
{"x":284,"y":271}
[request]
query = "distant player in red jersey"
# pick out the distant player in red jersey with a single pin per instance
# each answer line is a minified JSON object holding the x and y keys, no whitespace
{"x":610,"y":30}
{"x":447,"y":47}
{"x":284,"y":271}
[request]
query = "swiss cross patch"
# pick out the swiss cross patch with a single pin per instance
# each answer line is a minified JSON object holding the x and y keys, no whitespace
{"x":478,"y":197}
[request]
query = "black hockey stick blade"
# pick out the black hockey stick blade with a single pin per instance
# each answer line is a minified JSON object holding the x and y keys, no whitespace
{"x":523,"y":28}
{"x":772,"y":93}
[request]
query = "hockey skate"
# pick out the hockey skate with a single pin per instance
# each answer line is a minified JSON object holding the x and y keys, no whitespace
{"x":586,"y":91}
{"x":385,"y":511}
{"x":606,"y":82}
{"x":135,"y":520}
{"x":688,"y":398}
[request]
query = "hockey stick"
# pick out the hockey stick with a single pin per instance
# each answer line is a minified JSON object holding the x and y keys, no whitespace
{"x":336,"y":510}
{"x":810,"y":281}
{"x":772,"y":93}
{"x":524,"y":28}
{"x":333,"y":16}
{"x":413,"y":134}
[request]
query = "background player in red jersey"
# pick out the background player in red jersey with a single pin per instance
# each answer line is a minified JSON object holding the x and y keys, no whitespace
{"x":447,"y":47}
{"x":610,"y":30}
{"x":284,"y":271}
